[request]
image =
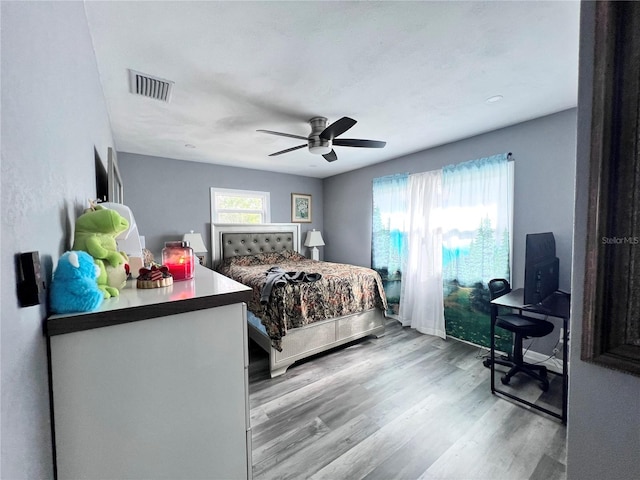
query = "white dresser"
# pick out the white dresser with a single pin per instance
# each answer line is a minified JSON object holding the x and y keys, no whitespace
{"x":154,"y":384}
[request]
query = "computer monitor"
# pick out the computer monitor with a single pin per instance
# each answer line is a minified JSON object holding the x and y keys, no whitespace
{"x":541,"y":268}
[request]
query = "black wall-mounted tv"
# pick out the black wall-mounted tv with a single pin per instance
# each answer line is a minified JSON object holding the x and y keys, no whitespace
{"x":541,"y":268}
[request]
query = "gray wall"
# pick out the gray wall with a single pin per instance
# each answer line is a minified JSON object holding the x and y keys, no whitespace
{"x":170,"y":197}
{"x":53,"y":114}
{"x":604,"y":405}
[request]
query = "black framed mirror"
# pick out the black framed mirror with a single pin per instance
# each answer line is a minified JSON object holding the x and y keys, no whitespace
{"x":611,"y":323}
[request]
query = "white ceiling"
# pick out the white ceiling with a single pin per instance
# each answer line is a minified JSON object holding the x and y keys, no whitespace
{"x":414,"y":74}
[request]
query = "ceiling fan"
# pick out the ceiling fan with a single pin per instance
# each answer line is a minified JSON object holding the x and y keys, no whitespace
{"x":322,"y":138}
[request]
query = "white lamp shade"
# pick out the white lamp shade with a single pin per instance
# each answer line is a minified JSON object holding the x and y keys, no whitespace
{"x":195,"y":242}
{"x":314,"y":239}
{"x":128,"y":241}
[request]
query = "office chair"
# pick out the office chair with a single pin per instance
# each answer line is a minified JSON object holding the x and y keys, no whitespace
{"x":522,"y":327}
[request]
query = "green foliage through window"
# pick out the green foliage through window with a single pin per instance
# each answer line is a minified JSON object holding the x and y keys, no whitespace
{"x":239,"y":217}
{"x":225,"y":202}
{"x":239,"y":206}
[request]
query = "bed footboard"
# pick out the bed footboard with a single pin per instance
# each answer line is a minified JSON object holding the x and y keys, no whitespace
{"x":318,"y":337}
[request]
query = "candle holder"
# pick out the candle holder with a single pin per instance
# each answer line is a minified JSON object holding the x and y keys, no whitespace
{"x":178,"y":257}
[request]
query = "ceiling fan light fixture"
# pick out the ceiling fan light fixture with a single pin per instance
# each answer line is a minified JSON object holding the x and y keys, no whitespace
{"x":318,"y":145}
{"x":320,"y":149}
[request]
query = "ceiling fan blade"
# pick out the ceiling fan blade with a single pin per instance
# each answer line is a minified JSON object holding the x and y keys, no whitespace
{"x":354,"y":142}
{"x":337,"y":128}
{"x":282,"y":134}
{"x":331,"y":156}
{"x":288,"y":150}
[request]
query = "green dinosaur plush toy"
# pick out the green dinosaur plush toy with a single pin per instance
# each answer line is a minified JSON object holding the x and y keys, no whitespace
{"x":95,"y":233}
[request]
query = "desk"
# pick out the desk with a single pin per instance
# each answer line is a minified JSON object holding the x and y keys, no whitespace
{"x":556,"y":305}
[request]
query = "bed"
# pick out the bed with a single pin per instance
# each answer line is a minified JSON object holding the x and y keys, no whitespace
{"x":302,"y":318}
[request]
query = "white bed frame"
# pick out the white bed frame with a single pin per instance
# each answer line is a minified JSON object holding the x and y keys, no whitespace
{"x":311,"y":339}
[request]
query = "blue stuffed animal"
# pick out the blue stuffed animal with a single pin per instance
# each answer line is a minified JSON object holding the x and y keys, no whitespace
{"x":74,"y":287}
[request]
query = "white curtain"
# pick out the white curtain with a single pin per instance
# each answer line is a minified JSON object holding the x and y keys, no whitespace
{"x":421,"y":299}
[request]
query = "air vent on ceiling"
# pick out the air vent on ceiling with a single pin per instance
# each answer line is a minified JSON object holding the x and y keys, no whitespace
{"x":149,"y":86}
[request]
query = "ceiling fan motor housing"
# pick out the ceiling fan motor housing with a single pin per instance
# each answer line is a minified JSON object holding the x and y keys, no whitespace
{"x":317,"y":145}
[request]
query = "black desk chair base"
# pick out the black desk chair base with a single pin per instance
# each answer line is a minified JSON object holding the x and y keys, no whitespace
{"x":504,"y":360}
{"x":537,"y":372}
{"x":542,"y":377}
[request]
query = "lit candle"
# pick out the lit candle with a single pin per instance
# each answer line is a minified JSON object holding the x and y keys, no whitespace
{"x":179,"y":259}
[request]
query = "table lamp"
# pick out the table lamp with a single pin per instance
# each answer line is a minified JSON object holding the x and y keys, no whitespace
{"x":314,"y":240}
{"x":197,"y":245}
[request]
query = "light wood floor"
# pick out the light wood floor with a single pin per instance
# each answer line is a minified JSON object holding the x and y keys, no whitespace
{"x":403,"y":406}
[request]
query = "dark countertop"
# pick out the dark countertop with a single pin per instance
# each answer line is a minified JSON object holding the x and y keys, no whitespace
{"x":207,"y":289}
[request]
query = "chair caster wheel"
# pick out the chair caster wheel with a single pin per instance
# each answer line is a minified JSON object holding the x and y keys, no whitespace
{"x":505,"y":380}
{"x":487,"y":362}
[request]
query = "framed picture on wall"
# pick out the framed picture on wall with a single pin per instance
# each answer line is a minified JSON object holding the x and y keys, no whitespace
{"x":300,"y":208}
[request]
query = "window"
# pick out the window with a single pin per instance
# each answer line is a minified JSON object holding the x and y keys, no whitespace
{"x":239,"y":206}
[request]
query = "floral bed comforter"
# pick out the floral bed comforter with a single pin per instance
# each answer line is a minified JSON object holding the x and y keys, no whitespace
{"x":342,"y":290}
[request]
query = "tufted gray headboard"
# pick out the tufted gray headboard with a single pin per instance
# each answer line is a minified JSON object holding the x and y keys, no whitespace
{"x":230,"y":240}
